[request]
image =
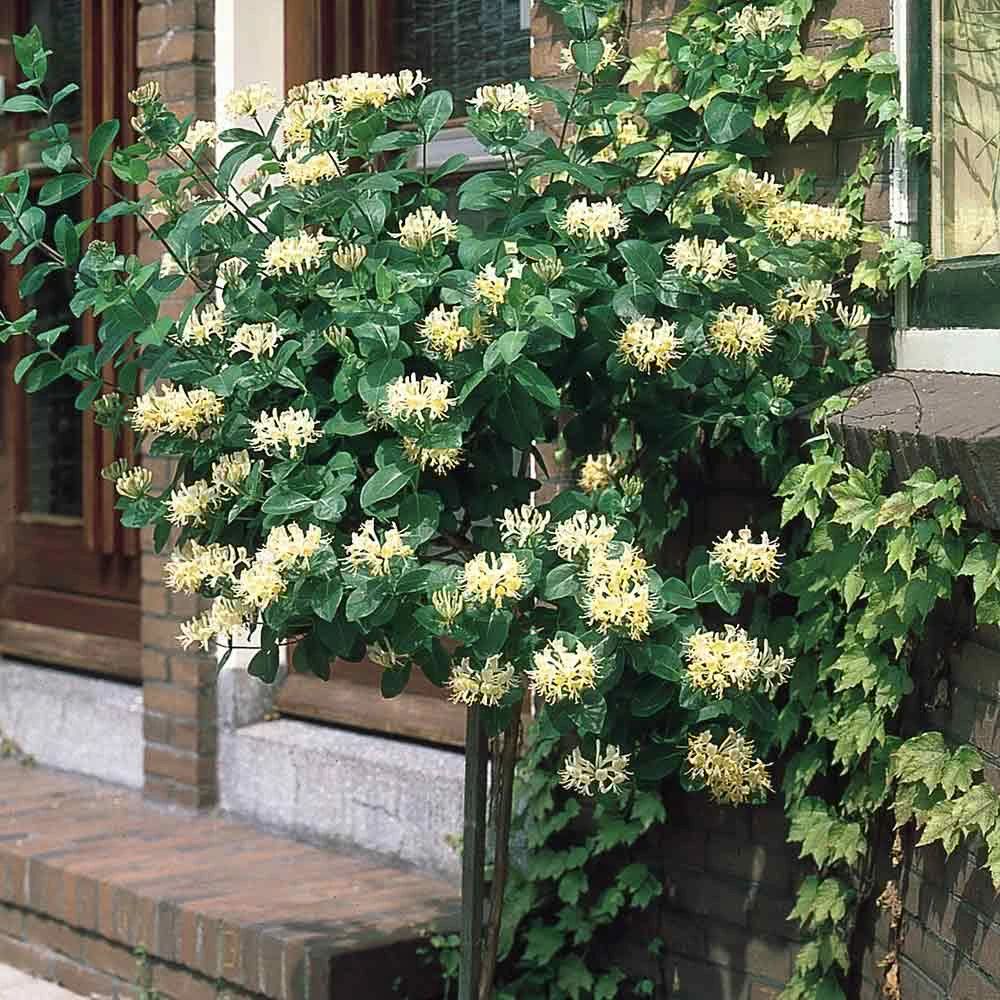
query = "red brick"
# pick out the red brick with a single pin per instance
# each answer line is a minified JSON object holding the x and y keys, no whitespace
{"x":181,"y":766}
{"x":53,"y":935}
{"x":175,"y":701}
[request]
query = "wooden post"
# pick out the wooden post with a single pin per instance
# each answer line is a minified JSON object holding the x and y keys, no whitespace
{"x":473,"y":854}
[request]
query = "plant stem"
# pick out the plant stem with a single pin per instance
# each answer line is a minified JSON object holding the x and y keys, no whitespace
{"x":473,"y":854}
{"x":501,"y":852}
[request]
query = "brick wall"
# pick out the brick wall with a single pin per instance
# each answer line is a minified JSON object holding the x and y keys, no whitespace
{"x":176,"y":48}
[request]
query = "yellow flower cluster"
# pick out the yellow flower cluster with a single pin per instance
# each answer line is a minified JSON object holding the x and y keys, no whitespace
{"x":291,"y":547}
{"x":488,"y":577}
{"x":582,"y":532}
{"x":486,"y":686}
{"x":449,"y":604}
{"x":794,"y":221}
{"x":262,"y":583}
{"x":757,"y":22}
{"x":754,"y":193}
{"x":176,"y":411}
{"x":446,"y":335}
{"x":667,"y":168}
{"x":705,"y":259}
{"x":191,"y":567}
{"x":549,"y":269}
{"x":226,"y":618}
{"x":304,"y":170}
{"x":350,"y":256}
{"x":739,"y":330}
{"x":382,"y":654}
{"x":250,"y":101}
{"x":612,"y":55}
{"x":617,"y":593}
{"x":367,"y":552}
{"x":598,"y":472}
{"x":802,"y":301}
{"x":745,"y":560}
{"x":594,"y":221}
{"x":561,"y":673}
{"x":440,"y":461}
{"x":198,"y":134}
{"x":649,"y":345}
{"x":608,"y":771}
{"x":374,"y":90}
{"x":412,"y":397}
{"x":190,"y":504}
{"x":256,"y":339}
{"x":853,"y":319}
{"x":229,"y":472}
{"x":731,"y":771}
{"x":145,"y":94}
{"x":424,"y":228}
{"x":719,"y":661}
{"x":490,"y":288}
{"x":203,"y":327}
{"x":504,"y":97}
{"x":291,"y":429}
{"x":305,"y":113}
{"x":522,"y":526}
{"x":297,"y":254}
{"x":134,"y":483}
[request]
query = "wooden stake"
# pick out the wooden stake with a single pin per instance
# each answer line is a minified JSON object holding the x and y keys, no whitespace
{"x":473,"y":854}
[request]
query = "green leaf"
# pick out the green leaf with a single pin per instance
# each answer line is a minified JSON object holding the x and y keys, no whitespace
{"x":419,"y":516}
{"x":574,"y":978}
{"x":100,"y":142}
{"x":62,"y":187}
{"x":665,"y":104}
{"x":561,"y":582}
{"x":23,"y":103}
{"x":726,"y":120}
{"x":384,"y":485}
{"x":435,"y":109}
{"x":35,"y":278}
{"x":264,"y":664}
{"x":67,"y":239}
{"x":643,"y":259}
{"x":536,"y":382}
{"x":57,"y":158}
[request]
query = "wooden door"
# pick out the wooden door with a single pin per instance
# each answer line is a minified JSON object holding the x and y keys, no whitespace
{"x":69,"y":574}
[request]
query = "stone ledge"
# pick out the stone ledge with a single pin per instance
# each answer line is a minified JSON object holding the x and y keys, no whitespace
{"x":946,"y":421}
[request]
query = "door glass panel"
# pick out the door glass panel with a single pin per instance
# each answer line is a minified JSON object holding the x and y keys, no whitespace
{"x":966,"y":127}
{"x":463,"y":44}
{"x":61,"y":24}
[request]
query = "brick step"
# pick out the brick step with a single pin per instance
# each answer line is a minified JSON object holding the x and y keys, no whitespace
{"x":100,"y":890}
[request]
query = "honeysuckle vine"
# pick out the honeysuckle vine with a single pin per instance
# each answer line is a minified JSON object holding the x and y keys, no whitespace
{"x":372,"y":350}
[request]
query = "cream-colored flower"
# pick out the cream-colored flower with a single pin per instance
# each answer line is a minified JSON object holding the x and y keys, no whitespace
{"x":802,"y":301}
{"x":504,"y":97}
{"x":134,"y":483}
{"x":485,"y":686}
{"x":169,"y":265}
{"x":145,"y":94}
{"x":250,"y":101}
{"x":489,"y":577}
{"x":306,"y":169}
{"x":563,"y":674}
{"x":594,"y":221}
{"x":449,"y":604}
{"x":440,"y":461}
{"x":794,"y":221}
{"x":613,"y":55}
{"x":444,"y":333}
{"x":229,"y":472}
{"x":598,"y":472}
{"x":853,"y":319}
{"x":416,"y":398}
{"x":616,"y":592}
{"x":523,"y":526}
{"x":738,"y":330}
{"x":374,"y":90}
{"x":374,"y":555}
{"x":757,"y":22}
{"x":200,"y":133}
{"x":607,"y":772}
{"x":704,"y":259}
{"x":490,"y":288}
{"x":582,"y":533}
{"x":256,"y":339}
{"x":667,"y":167}
{"x":205,"y":326}
{"x":191,"y":567}
{"x":226,"y":618}
{"x":304,"y":117}
{"x":224,"y":210}
{"x":754,"y":193}
{"x":384,"y":655}
{"x":262,"y":582}
{"x":425,"y":228}
{"x":350,"y":256}
{"x":720,"y":661}
{"x":190,"y":504}
{"x":731,"y":771}
{"x":291,"y":547}
{"x":231,"y":270}
{"x":176,"y":411}
{"x":649,"y":345}
{"x":291,"y":429}
{"x":298,"y":254}
{"x":549,"y":269}
{"x":745,"y":560}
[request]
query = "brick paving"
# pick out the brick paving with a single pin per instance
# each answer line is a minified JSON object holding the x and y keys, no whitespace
{"x":89,"y":873}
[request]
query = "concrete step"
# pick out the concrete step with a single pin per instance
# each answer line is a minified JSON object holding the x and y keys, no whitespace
{"x":100,"y":890}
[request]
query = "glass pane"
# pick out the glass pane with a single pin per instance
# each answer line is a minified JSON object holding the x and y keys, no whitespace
{"x":54,"y":427}
{"x":462,"y":44}
{"x":61,"y":24}
{"x":966,"y":215}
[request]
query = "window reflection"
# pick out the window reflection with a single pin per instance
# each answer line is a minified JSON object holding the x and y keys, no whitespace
{"x":966,"y":95}
{"x":61,"y":24}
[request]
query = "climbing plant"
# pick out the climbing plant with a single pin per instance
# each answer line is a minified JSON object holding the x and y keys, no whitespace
{"x":371,"y":352}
